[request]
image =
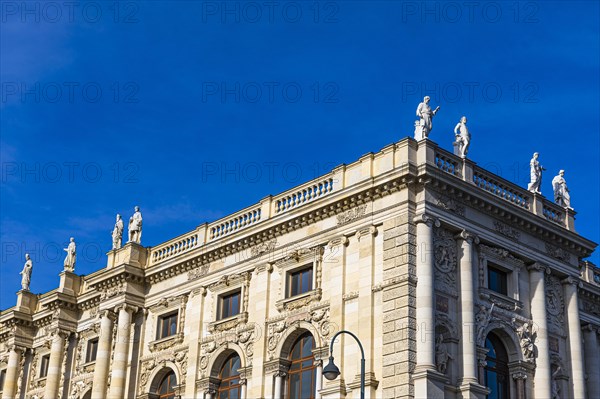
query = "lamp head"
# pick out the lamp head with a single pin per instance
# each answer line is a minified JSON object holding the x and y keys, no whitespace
{"x":331,"y":371}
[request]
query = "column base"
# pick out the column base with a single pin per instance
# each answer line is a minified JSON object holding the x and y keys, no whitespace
{"x":429,"y":384}
{"x":472,"y":390}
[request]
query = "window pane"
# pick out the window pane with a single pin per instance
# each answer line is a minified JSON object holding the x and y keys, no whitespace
{"x":307,"y":385}
{"x":307,"y":346}
{"x":235,"y":304}
{"x":294,"y":386}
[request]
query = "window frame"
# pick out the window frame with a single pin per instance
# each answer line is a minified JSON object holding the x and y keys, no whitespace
{"x":44,"y":366}
{"x":302,"y":258}
{"x":2,"y":379}
{"x":503,"y":281}
{"x":302,"y":369}
{"x":224,"y":287}
{"x":160,"y":320}
{"x":88,"y":355}
{"x":289,"y":277}
{"x":237,"y":376}
{"x":501,"y":260}
{"x":221,"y":315}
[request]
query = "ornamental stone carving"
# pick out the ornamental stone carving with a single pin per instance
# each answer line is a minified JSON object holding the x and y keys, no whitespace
{"x":318,"y":316}
{"x":351,"y":214}
{"x":450,"y":204}
{"x":198,"y":272}
{"x":482,"y":319}
{"x":445,"y":260}
{"x":177,"y":355}
{"x":268,"y":246}
{"x":527,"y":338}
{"x":244,"y":336}
{"x":555,"y":305}
{"x":507,"y":230}
{"x":558,"y":253}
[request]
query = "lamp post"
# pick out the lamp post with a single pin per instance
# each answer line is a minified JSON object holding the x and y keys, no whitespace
{"x":331,"y":371}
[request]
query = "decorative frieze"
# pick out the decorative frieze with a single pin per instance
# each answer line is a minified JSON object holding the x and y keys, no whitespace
{"x":198,"y":272}
{"x":507,"y":230}
{"x":265,"y":247}
{"x":558,"y":253}
{"x":450,"y":204}
{"x":351,"y":214}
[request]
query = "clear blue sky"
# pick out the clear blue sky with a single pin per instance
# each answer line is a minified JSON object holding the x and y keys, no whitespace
{"x":193,"y":110}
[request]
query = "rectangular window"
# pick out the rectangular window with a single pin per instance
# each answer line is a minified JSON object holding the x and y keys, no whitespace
{"x":44,"y":366}
{"x":92,"y":350}
{"x":2,"y":378}
{"x":300,"y":281}
{"x":229,"y":305}
{"x":497,"y":280}
{"x":167,"y":325}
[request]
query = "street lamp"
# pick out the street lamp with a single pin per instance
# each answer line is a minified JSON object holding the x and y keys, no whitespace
{"x":331,"y":371}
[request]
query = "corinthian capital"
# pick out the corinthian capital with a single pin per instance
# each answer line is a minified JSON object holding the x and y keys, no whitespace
{"x":426,"y":218}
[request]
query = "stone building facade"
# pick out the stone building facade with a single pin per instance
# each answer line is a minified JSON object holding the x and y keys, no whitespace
{"x":458,"y":283}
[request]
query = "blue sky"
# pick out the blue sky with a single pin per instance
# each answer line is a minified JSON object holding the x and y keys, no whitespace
{"x":193,"y":110}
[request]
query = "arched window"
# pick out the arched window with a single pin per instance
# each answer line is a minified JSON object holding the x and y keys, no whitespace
{"x":302,"y":369}
{"x":229,"y":388}
{"x":496,"y":369}
{"x":166,"y":388}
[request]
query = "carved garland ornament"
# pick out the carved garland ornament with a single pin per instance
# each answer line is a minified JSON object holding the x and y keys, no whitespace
{"x":177,"y":355}
{"x":450,"y":204}
{"x":244,"y":336}
{"x":318,"y":316}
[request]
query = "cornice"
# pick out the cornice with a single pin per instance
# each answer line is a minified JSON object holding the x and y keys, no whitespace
{"x":340,"y":202}
{"x":470,"y":195}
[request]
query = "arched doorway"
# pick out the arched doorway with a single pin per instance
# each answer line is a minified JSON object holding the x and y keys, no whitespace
{"x":229,"y":387}
{"x":302,"y":373}
{"x":496,"y":369}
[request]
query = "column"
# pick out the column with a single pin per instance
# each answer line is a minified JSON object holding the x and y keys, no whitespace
{"x":12,"y":373}
{"x":519,"y":378}
{"x":592,"y":361}
{"x":467,"y":309}
{"x":55,"y":364}
{"x":99,"y":385}
{"x":243,"y":384}
{"x":121,"y":356}
{"x":279,"y":376}
{"x":570,"y":285}
{"x":542,"y":387}
{"x":425,"y":311}
{"x":318,"y":378}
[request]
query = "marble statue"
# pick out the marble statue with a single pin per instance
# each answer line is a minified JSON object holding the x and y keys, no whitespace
{"x":463,"y":138}
{"x":482,"y":319}
{"x":135,"y":226}
{"x":527,"y":338}
{"x":71,"y":256}
{"x":26,"y":273}
{"x":561,"y":191}
{"x":536,"y":174}
{"x":426,"y":114}
{"x":441,"y":354}
{"x":117,"y":233}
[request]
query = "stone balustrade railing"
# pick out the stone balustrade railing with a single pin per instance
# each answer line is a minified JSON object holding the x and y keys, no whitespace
{"x":501,"y":188}
{"x":447,"y":162}
{"x":366,"y":168}
{"x":235,"y":222}
{"x":303,"y":194}
{"x":553,"y":212}
{"x":176,"y":246}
